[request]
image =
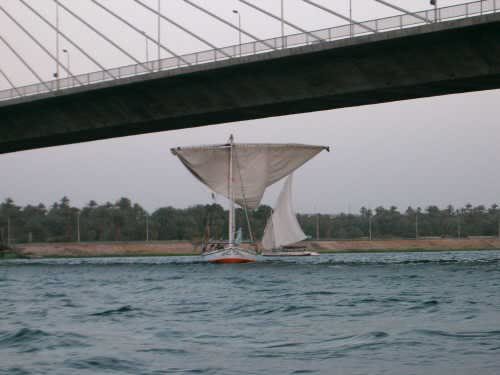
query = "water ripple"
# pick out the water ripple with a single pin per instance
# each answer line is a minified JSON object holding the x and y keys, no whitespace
{"x":100,"y":363}
{"x":117,"y":311}
{"x":21,"y":337}
{"x":393,"y":313}
{"x":459,"y":335}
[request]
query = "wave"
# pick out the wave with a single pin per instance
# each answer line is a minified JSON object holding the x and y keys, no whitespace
{"x":467,"y":262}
{"x":54,"y":295}
{"x":295,"y":308}
{"x":319,"y":293}
{"x":120,"y":310}
{"x":164,"y":351}
{"x":285,"y":345}
{"x":425,"y":305}
{"x":107,"y":261}
{"x":15,"y":371}
{"x":104,"y":363}
{"x":465,"y":334}
{"x":28,"y":340}
{"x":337,"y":347}
{"x":491,"y":257}
{"x":246,"y":311}
{"x":156,"y":288}
{"x":21,"y":337}
{"x":191,"y":311}
{"x":378,"y":334}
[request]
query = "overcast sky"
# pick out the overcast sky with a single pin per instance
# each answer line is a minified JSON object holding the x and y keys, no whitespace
{"x":441,"y":150}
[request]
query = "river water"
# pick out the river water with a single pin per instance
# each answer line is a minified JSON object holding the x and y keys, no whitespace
{"x":386,"y":313}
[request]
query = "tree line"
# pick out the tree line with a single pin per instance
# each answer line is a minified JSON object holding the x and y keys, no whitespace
{"x":124,"y":220}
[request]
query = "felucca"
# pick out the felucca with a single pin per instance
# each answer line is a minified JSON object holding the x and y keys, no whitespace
{"x":283,"y":229}
{"x":242,"y":172}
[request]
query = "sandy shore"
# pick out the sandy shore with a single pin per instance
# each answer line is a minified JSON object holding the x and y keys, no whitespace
{"x":187,"y":248}
{"x":105,"y":249}
{"x":407,"y":245}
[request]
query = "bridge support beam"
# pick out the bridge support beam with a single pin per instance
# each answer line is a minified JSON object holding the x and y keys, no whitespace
{"x":437,"y":59}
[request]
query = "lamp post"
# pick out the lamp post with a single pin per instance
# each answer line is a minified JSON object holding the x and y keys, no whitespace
{"x":147,"y":228}
{"x":416,"y":223}
{"x":159,"y":33}
{"x":350,"y":19}
{"x":283,"y":41}
{"x":147,"y":46}
{"x":434,"y":2}
{"x":370,"y":217}
{"x":317,"y":226}
{"x":78,"y":226}
{"x":239,"y":30}
{"x":56,"y":74}
{"x":68,"y":67}
{"x":8,"y":231}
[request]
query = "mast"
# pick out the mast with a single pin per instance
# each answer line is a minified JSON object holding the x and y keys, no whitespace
{"x":231,"y":195}
{"x":274,"y":230}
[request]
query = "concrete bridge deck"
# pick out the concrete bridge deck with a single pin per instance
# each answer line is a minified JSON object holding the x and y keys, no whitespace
{"x":436,"y":59}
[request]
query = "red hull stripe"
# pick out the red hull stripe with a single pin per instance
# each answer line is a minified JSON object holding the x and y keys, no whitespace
{"x":231,"y":260}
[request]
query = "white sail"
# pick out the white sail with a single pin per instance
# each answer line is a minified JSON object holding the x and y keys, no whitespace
{"x":255,"y":166}
{"x":282,"y":227}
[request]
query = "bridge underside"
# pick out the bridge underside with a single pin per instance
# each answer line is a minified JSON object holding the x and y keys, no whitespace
{"x":453,"y":57}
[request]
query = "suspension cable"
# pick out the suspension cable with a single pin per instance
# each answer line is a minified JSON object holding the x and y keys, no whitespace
{"x":229,"y":24}
{"x":279,"y":19}
{"x":102,"y":35}
{"x":351,"y":21}
{"x":40,"y":45}
{"x":140,"y":32}
{"x":67,"y":38}
{"x":10,"y":82}
{"x":425,"y":19}
{"x":183,"y":28}
{"x":25,"y":63}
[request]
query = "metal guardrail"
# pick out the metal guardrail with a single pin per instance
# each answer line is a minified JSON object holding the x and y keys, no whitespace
{"x":252,"y":48}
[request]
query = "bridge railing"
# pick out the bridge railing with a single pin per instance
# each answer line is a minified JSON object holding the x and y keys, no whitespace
{"x":251,"y":48}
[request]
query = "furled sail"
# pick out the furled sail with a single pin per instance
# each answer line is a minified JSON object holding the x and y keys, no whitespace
{"x":255,"y":166}
{"x":282,"y":227}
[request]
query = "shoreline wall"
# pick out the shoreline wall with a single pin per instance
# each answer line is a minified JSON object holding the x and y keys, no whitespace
{"x":187,"y":248}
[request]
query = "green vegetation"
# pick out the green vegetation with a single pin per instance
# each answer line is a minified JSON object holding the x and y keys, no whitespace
{"x":391,"y":223}
{"x":127,"y":221}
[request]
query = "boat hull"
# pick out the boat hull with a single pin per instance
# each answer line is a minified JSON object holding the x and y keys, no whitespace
{"x":289,"y":253}
{"x":231,"y":255}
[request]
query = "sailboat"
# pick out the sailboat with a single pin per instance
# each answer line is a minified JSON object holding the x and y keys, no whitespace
{"x":241,"y":172}
{"x":283,"y":229}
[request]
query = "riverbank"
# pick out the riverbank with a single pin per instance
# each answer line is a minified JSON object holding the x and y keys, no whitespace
{"x":106,"y":249}
{"x":435,"y":244}
{"x":161,"y":248}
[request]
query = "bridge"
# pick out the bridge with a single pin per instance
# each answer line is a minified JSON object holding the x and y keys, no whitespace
{"x":413,"y":55}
